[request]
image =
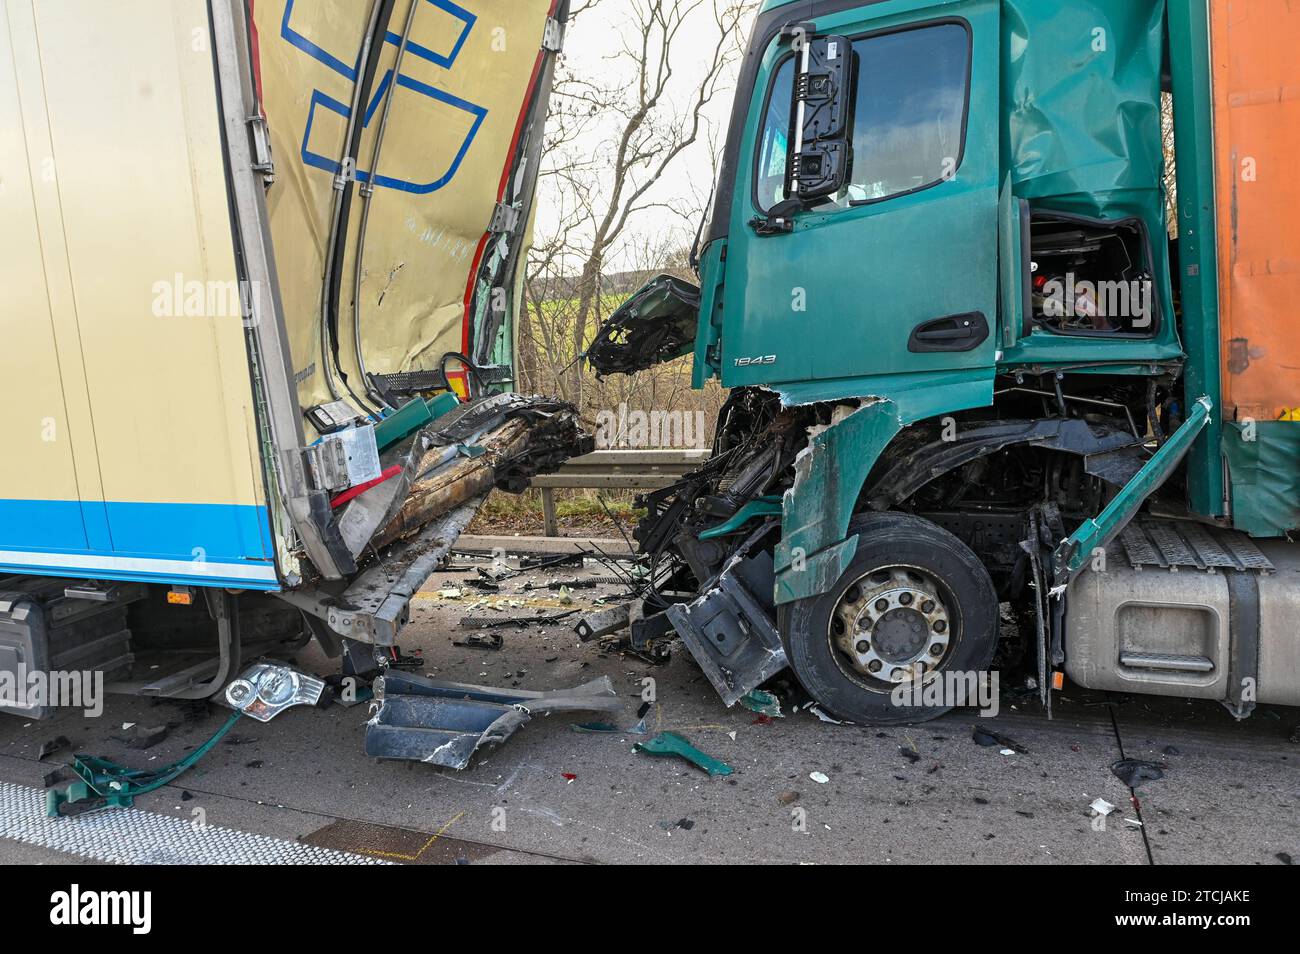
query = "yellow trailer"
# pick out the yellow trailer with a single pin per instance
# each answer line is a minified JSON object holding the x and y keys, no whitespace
{"x":258,"y":261}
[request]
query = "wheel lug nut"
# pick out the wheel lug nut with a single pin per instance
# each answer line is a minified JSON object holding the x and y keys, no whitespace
{"x":940,"y":626}
{"x":927,"y":607}
{"x":863,"y":647}
{"x":936,"y":649}
{"x":874,"y":665}
{"x":906,"y":599}
{"x":882,"y":605}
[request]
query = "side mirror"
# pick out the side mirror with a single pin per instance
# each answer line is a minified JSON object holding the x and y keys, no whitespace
{"x":822,"y":158}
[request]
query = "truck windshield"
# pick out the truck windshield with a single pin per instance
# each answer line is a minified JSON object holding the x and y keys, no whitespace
{"x":908,"y":117}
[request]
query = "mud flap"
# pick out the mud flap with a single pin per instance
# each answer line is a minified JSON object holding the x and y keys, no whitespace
{"x":729,"y":629}
{"x":445,"y":723}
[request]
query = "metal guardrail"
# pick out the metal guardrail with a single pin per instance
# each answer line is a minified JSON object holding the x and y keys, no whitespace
{"x":616,"y":470}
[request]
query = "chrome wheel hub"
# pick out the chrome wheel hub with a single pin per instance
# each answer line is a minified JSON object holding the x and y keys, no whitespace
{"x":892,"y":625}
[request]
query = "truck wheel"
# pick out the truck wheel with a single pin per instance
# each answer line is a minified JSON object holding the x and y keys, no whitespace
{"x":915,"y":600}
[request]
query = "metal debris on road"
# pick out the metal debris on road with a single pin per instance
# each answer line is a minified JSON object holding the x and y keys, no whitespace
{"x":1101,"y":807}
{"x":595,"y":728}
{"x":987,"y":738}
{"x":522,"y":622}
{"x":56,"y":744}
{"x":1133,"y":772}
{"x":445,"y":723}
{"x":492,"y":641}
{"x":262,"y":692}
{"x":603,"y":623}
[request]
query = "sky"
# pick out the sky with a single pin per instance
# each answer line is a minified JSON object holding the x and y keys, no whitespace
{"x":590,"y":52}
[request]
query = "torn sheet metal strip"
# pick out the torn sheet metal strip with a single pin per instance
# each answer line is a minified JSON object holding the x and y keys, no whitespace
{"x":375,"y":606}
{"x":445,"y":723}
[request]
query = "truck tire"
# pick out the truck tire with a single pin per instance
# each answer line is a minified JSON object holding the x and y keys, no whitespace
{"x":914,"y":600}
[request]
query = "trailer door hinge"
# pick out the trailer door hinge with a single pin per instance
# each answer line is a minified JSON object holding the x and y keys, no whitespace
{"x":505,"y":219}
{"x":262,"y":160}
{"x":553,"y":36}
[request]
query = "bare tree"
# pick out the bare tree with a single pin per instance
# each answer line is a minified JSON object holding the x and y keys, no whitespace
{"x":644,"y":115}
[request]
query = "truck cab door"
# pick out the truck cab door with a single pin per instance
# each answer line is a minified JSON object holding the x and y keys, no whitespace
{"x":897,"y":271}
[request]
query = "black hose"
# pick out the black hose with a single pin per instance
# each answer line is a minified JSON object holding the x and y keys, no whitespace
{"x":335,"y":266}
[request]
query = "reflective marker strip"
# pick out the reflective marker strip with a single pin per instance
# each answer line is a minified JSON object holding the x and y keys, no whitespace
{"x":130,"y":836}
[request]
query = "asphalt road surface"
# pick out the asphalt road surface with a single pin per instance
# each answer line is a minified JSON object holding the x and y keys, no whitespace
{"x":922,"y":794}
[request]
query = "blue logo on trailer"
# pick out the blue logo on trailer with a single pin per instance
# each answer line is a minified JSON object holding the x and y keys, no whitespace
{"x":445,"y":60}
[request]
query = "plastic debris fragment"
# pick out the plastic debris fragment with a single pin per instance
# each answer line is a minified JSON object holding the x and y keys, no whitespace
{"x":670,"y":743}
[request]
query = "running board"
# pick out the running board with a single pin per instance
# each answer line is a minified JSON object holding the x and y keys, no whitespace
{"x":445,"y":723}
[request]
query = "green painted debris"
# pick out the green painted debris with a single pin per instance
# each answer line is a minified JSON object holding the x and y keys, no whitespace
{"x":602,"y":728}
{"x":412,"y":416}
{"x":401,"y":423}
{"x":443,"y":403}
{"x":760,"y":507}
{"x":670,"y":743}
{"x":764,"y":703}
{"x":102,"y":783}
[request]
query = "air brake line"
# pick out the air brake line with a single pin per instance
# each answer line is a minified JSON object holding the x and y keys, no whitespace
{"x":367,"y":193}
{"x":381,"y":12}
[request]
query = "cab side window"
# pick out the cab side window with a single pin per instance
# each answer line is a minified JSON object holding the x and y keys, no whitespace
{"x":909,"y":116}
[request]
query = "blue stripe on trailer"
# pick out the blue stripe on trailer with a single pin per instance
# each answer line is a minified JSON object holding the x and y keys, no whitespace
{"x":212,"y":544}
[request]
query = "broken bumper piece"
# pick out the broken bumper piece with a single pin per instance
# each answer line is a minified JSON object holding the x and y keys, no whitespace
{"x":729,"y":629}
{"x":445,"y":723}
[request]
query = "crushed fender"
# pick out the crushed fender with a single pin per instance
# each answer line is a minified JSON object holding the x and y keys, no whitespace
{"x":670,"y":743}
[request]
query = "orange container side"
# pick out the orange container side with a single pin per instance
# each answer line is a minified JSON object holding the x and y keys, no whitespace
{"x":1256,"y":70}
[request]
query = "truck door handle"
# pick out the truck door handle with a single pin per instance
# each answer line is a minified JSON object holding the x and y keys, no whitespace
{"x":955,"y":333}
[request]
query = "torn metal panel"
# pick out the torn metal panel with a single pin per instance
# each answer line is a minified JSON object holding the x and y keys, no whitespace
{"x":829,"y":475}
{"x":376,"y":604}
{"x":730,"y":630}
{"x":445,"y":723}
{"x":1072,"y":556}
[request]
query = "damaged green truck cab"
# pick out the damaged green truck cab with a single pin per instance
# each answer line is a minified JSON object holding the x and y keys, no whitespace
{"x":940,"y":276}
